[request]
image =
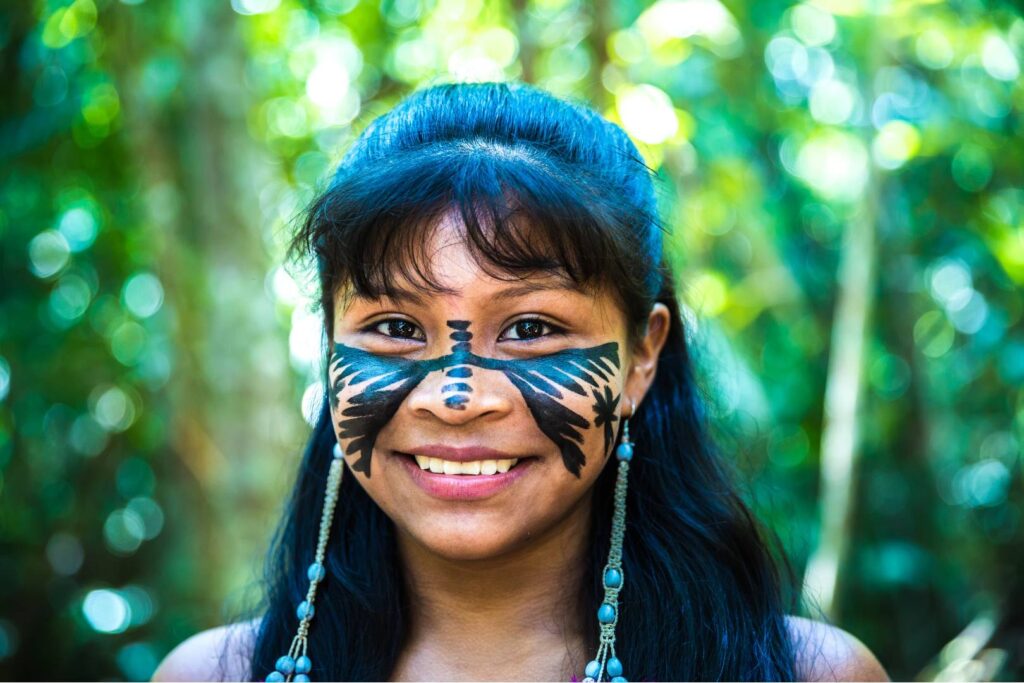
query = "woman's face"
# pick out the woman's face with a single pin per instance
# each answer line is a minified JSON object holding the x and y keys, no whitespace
{"x":480,"y":418}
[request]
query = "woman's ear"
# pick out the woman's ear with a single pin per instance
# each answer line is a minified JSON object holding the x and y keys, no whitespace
{"x":644,"y":361}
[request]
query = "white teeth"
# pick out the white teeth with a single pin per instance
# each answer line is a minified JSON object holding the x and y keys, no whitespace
{"x":473,"y":467}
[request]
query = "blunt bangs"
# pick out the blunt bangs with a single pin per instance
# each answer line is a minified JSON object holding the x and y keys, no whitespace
{"x":522,"y":212}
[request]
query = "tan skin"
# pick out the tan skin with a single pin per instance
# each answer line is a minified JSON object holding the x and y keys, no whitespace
{"x":489,"y":579}
{"x":488,"y":573}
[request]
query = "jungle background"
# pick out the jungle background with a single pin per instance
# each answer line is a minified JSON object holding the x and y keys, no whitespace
{"x":844,"y":181}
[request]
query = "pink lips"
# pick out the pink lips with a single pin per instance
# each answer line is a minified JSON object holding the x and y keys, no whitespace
{"x":463,"y":486}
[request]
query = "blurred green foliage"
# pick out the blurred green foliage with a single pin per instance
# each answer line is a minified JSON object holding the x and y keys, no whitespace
{"x":845,"y":184}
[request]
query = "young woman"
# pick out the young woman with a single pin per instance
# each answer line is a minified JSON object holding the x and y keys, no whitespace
{"x":527,"y":488}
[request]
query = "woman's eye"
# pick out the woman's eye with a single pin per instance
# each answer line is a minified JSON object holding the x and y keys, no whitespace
{"x":525,"y":330}
{"x":399,"y":329}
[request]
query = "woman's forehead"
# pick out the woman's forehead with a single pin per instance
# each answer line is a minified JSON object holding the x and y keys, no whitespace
{"x":454,"y":266}
{"x":446,"y":265}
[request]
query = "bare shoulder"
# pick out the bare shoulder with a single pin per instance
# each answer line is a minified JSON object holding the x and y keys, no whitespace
{"x":827,"y":653}
{"x":217,"y":654}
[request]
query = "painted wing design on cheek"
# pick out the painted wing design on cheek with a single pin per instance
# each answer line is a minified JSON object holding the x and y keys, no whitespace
{"x":388,"y":381}
{"x":539,"y":379}
{"x":558,"y":423}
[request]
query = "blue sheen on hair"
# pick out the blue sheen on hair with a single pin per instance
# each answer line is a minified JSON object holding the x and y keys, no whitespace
{"x":540,"y":185}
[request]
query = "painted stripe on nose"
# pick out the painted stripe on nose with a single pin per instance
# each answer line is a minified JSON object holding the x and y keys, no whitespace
{"x":456,"y":402}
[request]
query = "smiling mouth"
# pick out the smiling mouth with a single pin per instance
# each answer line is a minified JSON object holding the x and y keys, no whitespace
{"x":483,"y":467}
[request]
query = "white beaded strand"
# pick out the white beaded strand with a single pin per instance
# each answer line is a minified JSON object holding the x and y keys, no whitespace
{"x":295,"y":664}
{"x":612,"y":578}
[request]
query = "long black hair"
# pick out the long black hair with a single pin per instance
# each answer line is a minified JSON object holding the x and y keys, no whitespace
{"x":541,"y":184}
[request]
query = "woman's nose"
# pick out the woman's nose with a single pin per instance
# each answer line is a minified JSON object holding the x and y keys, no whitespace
{"x":462,"y":393}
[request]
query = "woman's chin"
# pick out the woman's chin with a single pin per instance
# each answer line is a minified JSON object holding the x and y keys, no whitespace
{"x":461,"y":537}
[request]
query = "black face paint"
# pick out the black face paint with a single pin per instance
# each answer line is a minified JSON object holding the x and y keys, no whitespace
{"x":605,"y":414}
{"x":539,"y":380}
{"x":389,"y":379}
{"x":460,"y":350}
{"x":456,"y":402}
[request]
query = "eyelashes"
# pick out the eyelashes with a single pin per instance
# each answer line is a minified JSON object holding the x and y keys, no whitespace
{"x":397,"y":328}
{"x":522,"y":330}
{"x":529,"y":329}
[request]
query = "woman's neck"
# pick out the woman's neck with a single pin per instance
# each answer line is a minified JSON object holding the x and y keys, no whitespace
{"x":511,"y":617}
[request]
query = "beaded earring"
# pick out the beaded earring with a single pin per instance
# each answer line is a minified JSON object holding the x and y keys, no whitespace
{"x":296,"y":664}
{"x":606,"y":660}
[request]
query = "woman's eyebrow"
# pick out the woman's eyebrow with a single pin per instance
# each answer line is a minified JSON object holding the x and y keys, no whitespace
{"x":526,"y":288}
{"x":396,"y":295}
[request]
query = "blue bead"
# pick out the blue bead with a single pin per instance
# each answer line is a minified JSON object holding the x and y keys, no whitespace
{"x":303,"y":665}
{"x":592,"y":669}
{"x":606,"y":614}
{"x":305,"y":609}
{"x":275,"y":677}
{"x":337,"y":451}
{"x":316,"y":572}
{"x":624,"y":451}
{"x":613,"y":578}
{"x":301,"y":678}
{"x":285,"y":665}
{"x":614,"y":667}
{"x":619,"y":679}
